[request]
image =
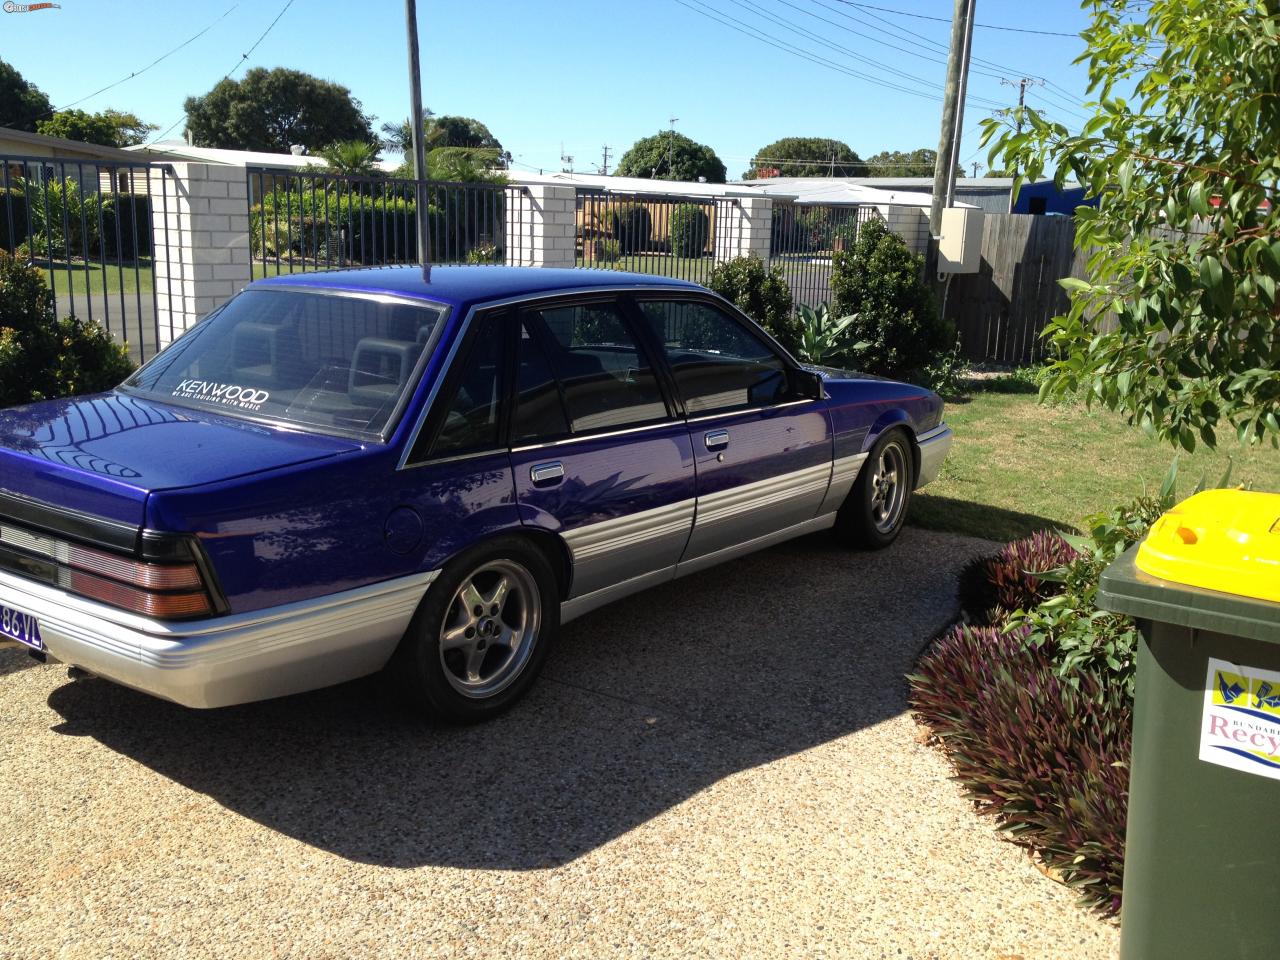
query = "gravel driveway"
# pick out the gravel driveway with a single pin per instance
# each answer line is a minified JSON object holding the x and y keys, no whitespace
{"x":721,"y":767}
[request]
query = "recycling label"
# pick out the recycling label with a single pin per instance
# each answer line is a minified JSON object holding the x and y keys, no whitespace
{"x":1241,"y":724}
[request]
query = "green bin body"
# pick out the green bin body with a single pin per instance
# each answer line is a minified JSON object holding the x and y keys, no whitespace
{"x":1202,"y":852}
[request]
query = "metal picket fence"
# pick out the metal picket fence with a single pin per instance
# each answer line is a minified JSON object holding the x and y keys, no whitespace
{"x":87,"y":226}
{"x":313,"y":220}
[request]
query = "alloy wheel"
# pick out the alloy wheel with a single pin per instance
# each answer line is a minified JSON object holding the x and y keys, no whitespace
{"x":490,"y":628}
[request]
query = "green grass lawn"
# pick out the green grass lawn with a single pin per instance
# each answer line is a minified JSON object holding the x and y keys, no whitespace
{"x":658,"y":264}
{"x":77,"y":277}
{"x":1017,"y":466}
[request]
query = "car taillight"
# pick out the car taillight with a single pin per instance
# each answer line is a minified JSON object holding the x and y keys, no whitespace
{"x":146,"y":602}
{"x":164,"y":590}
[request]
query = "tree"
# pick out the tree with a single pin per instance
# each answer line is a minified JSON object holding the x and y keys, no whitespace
{"x":353,"y":158}
{"x":111,"y":128}
{"x":22,"y":104}
{"x":273,"y":110}
{"x":668,"y":155}
{"x":1176,"y":322}
{"x":903,"y":163}
{"x":806,"y":157}
{"x":446,"y":131}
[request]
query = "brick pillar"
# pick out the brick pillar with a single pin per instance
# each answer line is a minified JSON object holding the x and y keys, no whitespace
{"x":200,"y":233}
{"x":541,"y":229}
{"x":744,"y":227}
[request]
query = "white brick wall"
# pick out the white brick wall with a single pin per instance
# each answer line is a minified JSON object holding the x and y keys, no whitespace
{"x":541,"y":230}
{"x":200,"y":230}
{"x":911,"y":224}
{"x":744,"y":226}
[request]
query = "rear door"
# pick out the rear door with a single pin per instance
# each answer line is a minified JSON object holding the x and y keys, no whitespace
{"x":599,"y":453}
{"x":763,"y":451}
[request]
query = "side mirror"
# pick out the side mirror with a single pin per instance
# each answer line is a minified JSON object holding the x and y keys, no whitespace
{"x":809,"y":385}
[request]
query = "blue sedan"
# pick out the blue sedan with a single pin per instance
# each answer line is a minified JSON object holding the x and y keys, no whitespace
{"x":341,"y":472}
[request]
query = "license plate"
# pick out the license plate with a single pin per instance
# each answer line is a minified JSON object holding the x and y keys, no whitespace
{"x":20,"y":626}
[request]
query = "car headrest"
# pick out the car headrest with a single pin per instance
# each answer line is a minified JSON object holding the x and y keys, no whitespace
{"x":379,"y":369}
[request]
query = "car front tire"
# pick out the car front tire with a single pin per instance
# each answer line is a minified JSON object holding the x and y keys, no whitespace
{"x":482,"y":633}
{"x":875,"y":509}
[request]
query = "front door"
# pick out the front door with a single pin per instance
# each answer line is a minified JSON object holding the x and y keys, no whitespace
{"x":763,"y":453}
{"x":598,"y":453}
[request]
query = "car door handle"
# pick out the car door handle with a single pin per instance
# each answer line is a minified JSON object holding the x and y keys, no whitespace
{"x":716,"y":439}
{"x":546,"y":474}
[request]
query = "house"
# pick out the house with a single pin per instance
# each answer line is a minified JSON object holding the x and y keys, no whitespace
{"x":27,"y":155}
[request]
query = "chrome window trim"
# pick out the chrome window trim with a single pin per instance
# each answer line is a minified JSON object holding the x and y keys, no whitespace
{"x":741,"y":410}
{"x":581,"y":437}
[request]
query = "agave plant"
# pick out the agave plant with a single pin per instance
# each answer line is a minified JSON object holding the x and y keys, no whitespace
{"x":824,"y":339}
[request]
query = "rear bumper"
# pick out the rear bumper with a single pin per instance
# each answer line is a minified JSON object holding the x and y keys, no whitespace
{"x":235,"y":659}
{"x":934,"y":445}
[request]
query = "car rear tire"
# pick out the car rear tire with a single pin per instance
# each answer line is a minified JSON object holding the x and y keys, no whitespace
{"x":481,"y":634}
{"x":873,"y":513}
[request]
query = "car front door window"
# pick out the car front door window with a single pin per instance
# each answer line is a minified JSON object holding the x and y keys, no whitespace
{"x":718,"y":364}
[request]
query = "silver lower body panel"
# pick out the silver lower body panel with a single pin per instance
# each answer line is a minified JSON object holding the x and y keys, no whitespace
{"x":236,"y":659}
{"x":934,"y":446}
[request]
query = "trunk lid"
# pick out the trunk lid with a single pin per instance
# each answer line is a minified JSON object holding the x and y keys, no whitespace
{"x":102,"y":455}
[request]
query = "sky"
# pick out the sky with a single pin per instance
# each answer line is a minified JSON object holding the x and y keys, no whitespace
{"x":572,"y":76}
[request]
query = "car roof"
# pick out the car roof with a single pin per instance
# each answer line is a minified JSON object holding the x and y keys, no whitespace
{"x":465,"y":285}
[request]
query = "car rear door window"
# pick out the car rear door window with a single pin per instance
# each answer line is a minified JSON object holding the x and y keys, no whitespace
{"x":718,"y":362}
{"x":540,"y":411}
{"x":606,"y":379}
{"x":472,"y":417}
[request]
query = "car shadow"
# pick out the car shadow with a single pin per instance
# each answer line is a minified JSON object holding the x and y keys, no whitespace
{"x":949,"y":514}
{"x":13,"y":659}
{"x":642,"y":705}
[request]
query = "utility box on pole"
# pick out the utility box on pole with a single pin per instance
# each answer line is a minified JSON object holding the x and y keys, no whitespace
{"x":960,"y":240}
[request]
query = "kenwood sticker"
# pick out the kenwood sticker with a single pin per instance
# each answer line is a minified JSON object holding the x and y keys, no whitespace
{"x":223,"y":394}
{"x":1241,"y":723}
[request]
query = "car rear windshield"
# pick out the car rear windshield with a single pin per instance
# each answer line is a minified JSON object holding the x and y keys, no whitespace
{"x":337,"y":363}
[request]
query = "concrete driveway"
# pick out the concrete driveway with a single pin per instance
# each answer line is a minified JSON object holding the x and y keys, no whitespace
{"x":721,"y":767}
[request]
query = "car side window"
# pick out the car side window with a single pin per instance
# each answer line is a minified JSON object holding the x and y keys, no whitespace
{"x":606,"y":379}
{"x":472,"y":416}
{"x":718,"y":363}
{"x":539,"y":410}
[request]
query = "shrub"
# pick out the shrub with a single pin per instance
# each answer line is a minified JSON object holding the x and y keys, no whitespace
{"x":947,"y":374}
{"x":605,"y":250}
{"x":344,"y":226}
{"x":41,"y":357}
{"x":690,"y":227}
{"x":824,"y":339}
{"x":64,"y":220}
{"x":1013,"y":578}
{"x":1048,"y":759}
{"x":484,"y":253}
{"x":130,"y":215}
{"x":882,"y":282}
{"x":630,"y":225}
{"x":761,"y":294}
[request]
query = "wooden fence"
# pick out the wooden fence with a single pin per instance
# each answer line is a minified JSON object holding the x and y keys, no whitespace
{"x":1000,"y":311}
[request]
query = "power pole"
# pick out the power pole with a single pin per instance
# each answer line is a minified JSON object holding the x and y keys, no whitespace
{"x":961,"y":27}
{"x":975,"y":169}
{"x":1022,"y":99}
{"x":419,"y":154}
{"x":604,"y":162}
{"x":954,"y":163}
{"x":671,"y":143}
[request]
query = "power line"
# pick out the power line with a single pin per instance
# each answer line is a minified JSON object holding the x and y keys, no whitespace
{"x":899,"y":33}
{"x":243,"y":58}
{"x":786,"y":47}
{"x":985,"y":26}
{"x":137,"y":73}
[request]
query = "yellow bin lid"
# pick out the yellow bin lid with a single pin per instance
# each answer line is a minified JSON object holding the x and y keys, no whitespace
{"x":1225,"y":540}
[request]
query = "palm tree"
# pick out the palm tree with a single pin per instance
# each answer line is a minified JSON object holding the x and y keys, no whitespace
{"x":357,"y":158}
